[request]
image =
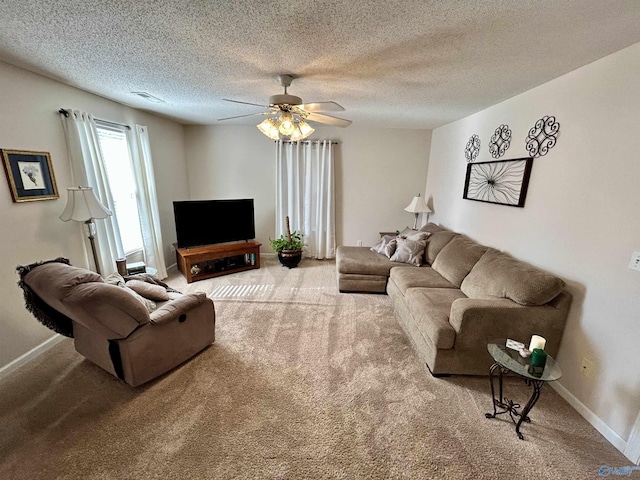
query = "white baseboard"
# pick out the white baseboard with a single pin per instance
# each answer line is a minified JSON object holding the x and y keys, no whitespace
{"x":632,"y":452}
{"x":30,"y":355}
{"x":606,"y":431}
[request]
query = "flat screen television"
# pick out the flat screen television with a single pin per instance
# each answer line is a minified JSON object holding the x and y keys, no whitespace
{"x":205,"y":222}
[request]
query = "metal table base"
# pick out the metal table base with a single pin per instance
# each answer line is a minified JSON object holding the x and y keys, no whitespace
{"x":503,"y":405}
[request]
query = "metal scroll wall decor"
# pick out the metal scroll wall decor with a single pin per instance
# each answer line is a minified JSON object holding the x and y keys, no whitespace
{"x":500,"y":141}
{"x":472,"y":149}
{"x":503,"y":182}
{"x":543,"y":136}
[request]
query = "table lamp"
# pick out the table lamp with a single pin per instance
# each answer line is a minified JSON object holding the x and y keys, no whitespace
{"x":418,"y":206}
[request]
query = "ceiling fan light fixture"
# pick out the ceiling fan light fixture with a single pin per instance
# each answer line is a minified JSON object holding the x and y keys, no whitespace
{"x":269,"y":128}
{"x":296,"y":135}
{"x":287,"y":125}
{"x":305,"y":128}
{"x":302,"y":131}
{"x":288,"y":115}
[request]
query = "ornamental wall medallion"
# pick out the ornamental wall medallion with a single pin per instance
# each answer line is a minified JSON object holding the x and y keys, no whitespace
{"x":500,"y":141}
{"x":503,"y":182}
{"x":543,"y":136}
{"x":472,"y":149}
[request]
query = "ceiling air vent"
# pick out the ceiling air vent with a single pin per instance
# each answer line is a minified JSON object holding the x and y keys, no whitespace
{"x":149,"y":97}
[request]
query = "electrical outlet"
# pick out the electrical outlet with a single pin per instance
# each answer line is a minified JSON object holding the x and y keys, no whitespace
{"x":172,"y":249}
{"x":359,"y":243}
{"x":586,"y":367}
{"x":634,"y":264}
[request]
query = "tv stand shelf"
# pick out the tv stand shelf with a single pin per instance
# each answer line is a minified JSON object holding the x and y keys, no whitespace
{"x":198,"y":263}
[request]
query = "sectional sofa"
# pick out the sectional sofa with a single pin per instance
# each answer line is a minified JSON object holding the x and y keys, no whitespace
{"x":462,"y":296}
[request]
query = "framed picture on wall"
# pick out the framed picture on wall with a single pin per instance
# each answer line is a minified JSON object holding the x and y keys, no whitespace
{"x":30,"y":175}
{"x":503,"y":182}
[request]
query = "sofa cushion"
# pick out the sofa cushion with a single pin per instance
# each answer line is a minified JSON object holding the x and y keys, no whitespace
{"x":354,"y":282}
{"x":432,"y":228}
{"x":362,"y":260}
{"x":407,"y":277}
{"x":499,"y":275}
{"x":53,"y":282}
{"x":106,"y":309}
{"x":436,"y":243}
{"x":430,"y":309}
{"x":386,"y":245}
{"x":457,"y":258}
{"x":410,"y":249}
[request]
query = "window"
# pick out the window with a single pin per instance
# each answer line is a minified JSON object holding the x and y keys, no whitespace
{"x":115,"y":151}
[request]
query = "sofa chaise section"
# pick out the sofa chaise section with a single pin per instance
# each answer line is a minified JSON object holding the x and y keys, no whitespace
{"x":361,"y":270}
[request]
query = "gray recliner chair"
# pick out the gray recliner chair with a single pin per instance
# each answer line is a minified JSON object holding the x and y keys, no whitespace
{"x":111,"y":326}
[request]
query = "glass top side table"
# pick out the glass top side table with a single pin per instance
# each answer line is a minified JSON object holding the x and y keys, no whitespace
{"x":508,"y":360}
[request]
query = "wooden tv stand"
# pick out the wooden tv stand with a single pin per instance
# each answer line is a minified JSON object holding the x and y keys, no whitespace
{"x":198,"y":263}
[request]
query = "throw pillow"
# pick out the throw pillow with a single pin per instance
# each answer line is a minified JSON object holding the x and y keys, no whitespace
{"x":386,"y":246}
{"x":416,"y":235}
{"x":117,"y":280}
{"x":410,"y":249}
{"x":114,"y":279}
{"x":148,"y":290}
{"x":406,"y":232}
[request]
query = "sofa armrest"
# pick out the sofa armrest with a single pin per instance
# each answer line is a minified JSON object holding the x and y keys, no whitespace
{"x":478,"y":321}
{"x":175,"y":308}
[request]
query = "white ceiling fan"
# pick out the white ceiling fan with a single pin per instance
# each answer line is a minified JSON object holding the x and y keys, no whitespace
{"x":288,"y":116}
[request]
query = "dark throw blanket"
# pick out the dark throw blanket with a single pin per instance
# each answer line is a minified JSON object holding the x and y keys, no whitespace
{"x":49,"y":317}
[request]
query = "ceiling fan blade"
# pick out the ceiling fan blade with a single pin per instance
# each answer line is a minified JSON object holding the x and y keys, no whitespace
{"x":245,"y":103}
{"x":321,"y":107}
{"x":329,"y":120}
{"x":241,"y":116}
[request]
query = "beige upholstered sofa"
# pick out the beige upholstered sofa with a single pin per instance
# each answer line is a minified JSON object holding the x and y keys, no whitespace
{"x":464,"y":296}
{"x":110,"y":324}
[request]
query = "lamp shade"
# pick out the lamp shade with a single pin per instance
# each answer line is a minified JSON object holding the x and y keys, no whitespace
{"x":418,"y":205}
{"x":83,"y":205}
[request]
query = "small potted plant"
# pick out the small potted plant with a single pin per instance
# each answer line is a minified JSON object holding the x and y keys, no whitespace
{"x":288,"y":247}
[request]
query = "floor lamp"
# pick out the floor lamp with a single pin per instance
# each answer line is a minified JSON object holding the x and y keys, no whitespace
{"x":418,"y":206}
{"x":84,"y":206}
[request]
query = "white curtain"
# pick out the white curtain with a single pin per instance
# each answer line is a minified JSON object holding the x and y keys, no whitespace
{"x":305,"y":192}
{"x":88,"y":170}
{"x":147,"y":199}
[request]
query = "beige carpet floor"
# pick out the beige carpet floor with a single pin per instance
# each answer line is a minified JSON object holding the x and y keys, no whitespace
{"x":302,"y":383}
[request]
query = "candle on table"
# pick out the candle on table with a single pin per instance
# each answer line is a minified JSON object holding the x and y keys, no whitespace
{"x":538,"y":357}
{"x":537,"y":342}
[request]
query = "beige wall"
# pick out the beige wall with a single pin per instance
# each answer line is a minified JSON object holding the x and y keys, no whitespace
{"x":378,"y":171}
{"x":580,"y":220}
{"x":32,"y":231}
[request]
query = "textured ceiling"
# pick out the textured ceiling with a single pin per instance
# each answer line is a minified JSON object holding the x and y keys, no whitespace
{"x":407,"y":63}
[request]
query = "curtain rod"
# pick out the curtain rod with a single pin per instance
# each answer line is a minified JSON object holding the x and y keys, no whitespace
{"x":64,"y":112}
{"x":305,"y":141}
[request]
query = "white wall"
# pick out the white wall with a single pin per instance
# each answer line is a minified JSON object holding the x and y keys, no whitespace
{"x":32,"y":231}
{"x":378,"y":171}
{"x":580,"y":220}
